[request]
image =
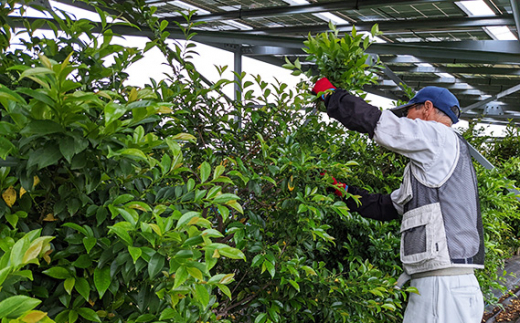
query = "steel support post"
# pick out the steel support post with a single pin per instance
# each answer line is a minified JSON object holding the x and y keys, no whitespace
{"x":238,"y":78}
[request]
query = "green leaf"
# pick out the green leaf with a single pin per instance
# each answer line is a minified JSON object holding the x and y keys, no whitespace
{"x":297,"y":64}
{"x":205,"y":171}
{"x":43,"y":157}
{"x":167,"y":314}
{"x":14,"y":306}
{"x":6,"y":128}
{"x":69,"y":284}
{"x":202,"y":294}
{"x":212,"y":233}
{"x":24,"y":273}
{"x":41,"y":127}
{"x":309,"y":270}
{"x":130,"y":215}
{"x":155,"y":265}
{"x":270,"y":267}
{"x":89,"y":243}
{"x":102,"y":280}
{"x":295,"y":285}
{"x":195,"y":273}
{"x":123,"y":198}
{"x":261,"y":318}
{"x":89,"y":314}
{"x":4,"y":272}
{"x":57,"y":272}
{"x":226,"y":197}
{"x":133,"y":152}
{"x":135,"y":252}
{"x":389,"y":306}
{"x":180,"y":276}
{"x":6,"y":147}
{"x":67,"y":148}
{"x":76,"y":227}
{"x":219,"y":170}
{"x":83,"y":288}
{"x":83,"y":262}
{"x":224,"y":289}
{"x":122,"y":233}
{"x":36,"y":71}
{"x":257,"y":260}
{"x":231,"y":252}
{"x":234,"y":204}
{"x":113,"y":111}
{"x":185,"y":218}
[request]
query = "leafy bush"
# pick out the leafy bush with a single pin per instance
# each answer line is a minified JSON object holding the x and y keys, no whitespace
{"x":173,"y":203}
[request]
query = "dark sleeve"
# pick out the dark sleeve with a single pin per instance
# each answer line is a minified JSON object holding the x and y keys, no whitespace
{"x":374,"y":206}
{"x":353,"y":112}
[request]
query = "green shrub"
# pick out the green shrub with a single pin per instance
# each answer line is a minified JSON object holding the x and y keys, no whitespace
{"x":172,"y":203}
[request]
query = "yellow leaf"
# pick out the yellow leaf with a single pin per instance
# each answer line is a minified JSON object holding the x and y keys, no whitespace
{"x":216,"y":254}
{"x":9,"y":196}
{"x":184,"y":136}
{"x":137,"y":206}
{"x":156,"y":229}
{"x":45,"y":61}
{"x":290,"y":184}
{"x":163,"y":109}
{"x":234,"y":204}
{"x":49,"y":218}
{"x":34,"y":316}
{"x":46,"y":257}
{"x":36,"y":181}
{"x":194,"y":220}
{"x":226,"y":279}
{"x":22,"y":191}
{"x":133,"y":95}
{"x":103,"y":94}
{"x":33,"y":251}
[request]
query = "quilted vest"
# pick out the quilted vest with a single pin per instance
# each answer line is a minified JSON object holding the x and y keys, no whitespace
{"x":442,"y":224}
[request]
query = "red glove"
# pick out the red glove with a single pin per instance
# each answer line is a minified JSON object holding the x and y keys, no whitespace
{"x":322,"y":85}
{"x":342,"y":187}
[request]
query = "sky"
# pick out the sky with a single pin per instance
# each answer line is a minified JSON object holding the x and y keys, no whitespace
{"x":152,"y":66}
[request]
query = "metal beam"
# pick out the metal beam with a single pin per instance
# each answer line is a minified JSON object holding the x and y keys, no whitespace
{"x":481,"y":159}
{"x":515,"y":7}
{"x":489,"y":51}
{"x":473,"y":70}
{"x":238,"y":72}
{"x":492,"y":98}
{"x":303,"y":9}
{"x":271,"y":50}
{"x":409,"y":59}
{"x":398,"y":81}
{"x":88,"y":7}
{"x":398,"y":26}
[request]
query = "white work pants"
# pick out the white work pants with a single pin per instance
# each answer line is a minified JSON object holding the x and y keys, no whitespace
{"x":445,"y":299}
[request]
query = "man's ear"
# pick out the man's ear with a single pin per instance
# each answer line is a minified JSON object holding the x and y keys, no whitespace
{"x":428,"y":109}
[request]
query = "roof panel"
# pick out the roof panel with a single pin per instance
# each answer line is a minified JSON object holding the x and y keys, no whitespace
{"x":456,"y":50}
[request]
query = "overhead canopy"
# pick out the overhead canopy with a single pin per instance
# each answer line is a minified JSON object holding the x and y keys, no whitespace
{"x":469,"y":47}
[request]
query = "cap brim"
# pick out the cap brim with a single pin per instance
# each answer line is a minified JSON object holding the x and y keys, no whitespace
{"x":399,"y":111}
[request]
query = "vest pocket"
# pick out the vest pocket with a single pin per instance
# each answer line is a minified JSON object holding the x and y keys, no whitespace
{"x":422,"y":234}
{"x":414,"y":240}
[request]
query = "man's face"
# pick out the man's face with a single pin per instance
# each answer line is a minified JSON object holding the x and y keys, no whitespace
{"x":415,"y":111}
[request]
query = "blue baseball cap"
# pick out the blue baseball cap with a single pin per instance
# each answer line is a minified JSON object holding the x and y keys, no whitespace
{"x":441,"y":98}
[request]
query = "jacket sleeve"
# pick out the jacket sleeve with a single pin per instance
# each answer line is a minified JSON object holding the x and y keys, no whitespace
{"x":373,"y":206}
{"x":353,"y":112}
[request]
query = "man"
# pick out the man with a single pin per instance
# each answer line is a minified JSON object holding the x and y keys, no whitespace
{"x":441,"y":227}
